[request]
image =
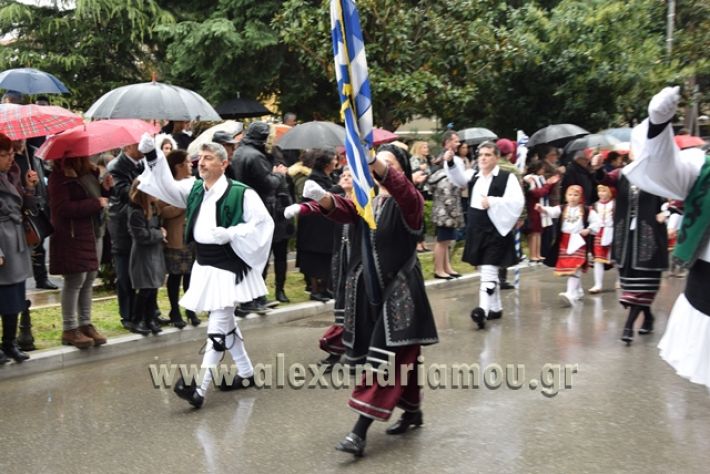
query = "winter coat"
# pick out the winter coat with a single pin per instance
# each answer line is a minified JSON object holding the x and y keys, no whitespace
{"x":315,"y":231}
{"x":123,"y":171}
{"x":283,"y":228}
{"x":78,"y":224}
{"x":13,"y":246}
{"x":576,"y":174}
{"x":147,"y":264}
{"x":254,"y":168}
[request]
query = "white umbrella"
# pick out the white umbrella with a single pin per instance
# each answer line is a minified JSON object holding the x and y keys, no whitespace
{"x":152,"y":101}
{"x":230,"y":126}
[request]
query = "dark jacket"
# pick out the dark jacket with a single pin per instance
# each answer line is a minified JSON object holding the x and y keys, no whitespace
{"x":315,"y":231}
{"x":72,"y":246}
{"x":124,"y":171}
{"x":147,"y":264}
{"x":576,"y":174}
{"x":253,"y":167}
{"x":283,"y":228}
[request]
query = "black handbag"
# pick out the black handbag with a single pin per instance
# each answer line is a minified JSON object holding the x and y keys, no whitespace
{"x":37,"y":226}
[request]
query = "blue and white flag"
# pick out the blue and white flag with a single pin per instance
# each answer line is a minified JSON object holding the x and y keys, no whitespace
{"x":356,"y":104}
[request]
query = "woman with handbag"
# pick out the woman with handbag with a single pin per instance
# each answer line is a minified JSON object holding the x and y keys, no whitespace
{"x":78,"y":203}
{"x":15,"y":262}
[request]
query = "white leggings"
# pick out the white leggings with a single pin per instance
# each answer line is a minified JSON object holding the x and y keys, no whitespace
{"x":489,"y":293}
{"x":222,"y":321}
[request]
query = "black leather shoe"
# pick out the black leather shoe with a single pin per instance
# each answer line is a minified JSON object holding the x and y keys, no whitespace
{"x":628,"y":336}
{"x":3,"y":358}
{"x":154,"y":326}
{"x":12,"y":351}
{"x":194,"y":320}
{"x":46,"y":285}
{"x":163,"y":321}
{"x":141,"y":328}
{"x":647,"y":327}
{"x":495,"y":314}
{"x":176,"y":319}
{"x":128,"y":325}
{"x":504,"y":285}
{"x":252,"y":307}
{"x":479,"y":317}
{"x":352,"y":444}
{"x":189,"y":393}
{"x":281,"y":296}
{"x":319,"y":297}
{"x":406,"y":420}
{"x":455,"y":275}
{"x":238,"y":383}
{"x":447,"y":277}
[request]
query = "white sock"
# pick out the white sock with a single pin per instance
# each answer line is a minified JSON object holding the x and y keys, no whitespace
{"x":489,"y":280}
{"x":598,"y":274}
{"x":572,"y":282}
{"x":209,"y":362}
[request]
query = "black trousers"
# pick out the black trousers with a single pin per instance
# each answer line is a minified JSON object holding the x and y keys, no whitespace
{"x":39,"y":258}
{"x":124,"y":288}
{"x":280,"y":252}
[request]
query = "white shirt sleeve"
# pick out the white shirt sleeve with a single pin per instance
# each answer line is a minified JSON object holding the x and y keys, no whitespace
{"x":251,"y":240}
{"x":457,"y":174}
{"x":658,"y":167}
{"x":505,"y":211}
{"x":552,"y":211}
{"x":158,"y":181}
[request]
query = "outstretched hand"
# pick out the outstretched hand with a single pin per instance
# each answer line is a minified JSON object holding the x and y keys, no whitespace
{"x":292,"y":211}
{"x":147,"y":143}
{"x":663,"y":106}
{"x":312,"y":190}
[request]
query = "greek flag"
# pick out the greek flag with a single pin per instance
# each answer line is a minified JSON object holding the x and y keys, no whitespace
{"x":356,"y":105}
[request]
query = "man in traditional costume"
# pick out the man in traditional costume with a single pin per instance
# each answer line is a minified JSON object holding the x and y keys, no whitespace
{"x":232,"y":232}
{"x":661,"y":168}
{"x":387,"y":313}
{"x":497,"y":202}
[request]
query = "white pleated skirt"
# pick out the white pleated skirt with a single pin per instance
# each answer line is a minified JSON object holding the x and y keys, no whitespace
{"x":686,"y":342}
{"x":212,"y":289}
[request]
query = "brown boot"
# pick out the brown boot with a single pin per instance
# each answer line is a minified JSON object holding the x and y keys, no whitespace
{"x":76,"y":338}
{"x":90,"y":331}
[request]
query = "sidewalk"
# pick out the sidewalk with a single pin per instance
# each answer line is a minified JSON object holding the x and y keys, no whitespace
{"x":58,"y":358}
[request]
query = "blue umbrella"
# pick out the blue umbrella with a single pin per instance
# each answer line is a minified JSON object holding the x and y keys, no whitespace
{"x":31,"y":81}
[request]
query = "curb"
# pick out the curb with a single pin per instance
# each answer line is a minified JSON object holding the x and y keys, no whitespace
{"x":62,"y":357}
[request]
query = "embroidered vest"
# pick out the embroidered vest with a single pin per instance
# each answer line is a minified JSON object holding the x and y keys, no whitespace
{"x":695,"y":227}
{"x":229,"y":207}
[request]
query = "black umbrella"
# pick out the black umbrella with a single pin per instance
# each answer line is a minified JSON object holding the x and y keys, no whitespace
{"x":595,"y":140}
{"x":557,"y":135}
{"x":476,"y":136}
{"x":312,"y":135}
{"x":242,"y":108}
{"x":152,"y":100}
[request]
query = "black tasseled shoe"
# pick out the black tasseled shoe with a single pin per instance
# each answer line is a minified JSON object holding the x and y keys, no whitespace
{"x":189,"y":393}
{"x":479,"y":317}
{"x":495,"y":314}
{"x":238,"y":383}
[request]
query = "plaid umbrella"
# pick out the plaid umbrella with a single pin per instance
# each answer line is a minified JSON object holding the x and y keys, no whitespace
{"x":27,"y":121}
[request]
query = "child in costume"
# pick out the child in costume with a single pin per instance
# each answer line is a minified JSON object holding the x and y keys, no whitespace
{"x":603,"y":234}
{"x":569,"y":258}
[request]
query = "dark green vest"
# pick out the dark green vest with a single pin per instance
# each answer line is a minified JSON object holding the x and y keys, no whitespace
{"x":229,"y":206}
{"x":695,"y":227}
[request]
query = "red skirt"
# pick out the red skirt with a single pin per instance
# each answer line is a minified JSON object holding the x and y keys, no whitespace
{"x":332,"y":340}
{"x":567,"y":264}
{"x":601,"y":253}
{"x":379,"y":401}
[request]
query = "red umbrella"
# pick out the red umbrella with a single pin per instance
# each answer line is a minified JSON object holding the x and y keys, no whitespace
{"x":94,"y":137}
{"x":688,"y":141}
{"x":380,"y":136}
{"x":27,"y":121}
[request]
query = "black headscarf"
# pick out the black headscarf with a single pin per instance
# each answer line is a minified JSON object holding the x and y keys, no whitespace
{"x":402,"y":158}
